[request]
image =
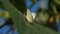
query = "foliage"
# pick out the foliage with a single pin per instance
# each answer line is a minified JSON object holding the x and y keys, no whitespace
{"x":22,"y":26}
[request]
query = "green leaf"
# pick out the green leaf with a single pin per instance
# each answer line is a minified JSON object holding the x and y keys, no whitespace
{"x":43,"y":29}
